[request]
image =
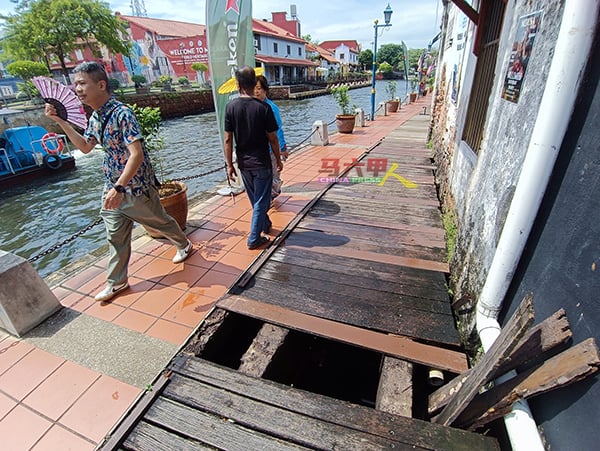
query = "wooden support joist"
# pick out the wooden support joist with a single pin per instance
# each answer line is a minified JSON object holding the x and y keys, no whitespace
{"x":541,"y":342}
{"x":572,"y":365}
{"x":260,"y":352}
{"x":503,"y":347}
{"x":395,"y":391}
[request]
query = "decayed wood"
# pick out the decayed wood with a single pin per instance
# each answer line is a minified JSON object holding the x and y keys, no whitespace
{"x":214,"y":430}
{"x":572,"y":365}
{"x":199,"y":399}
{"x":146,"y":437}
{"x":209,"y":326}
{"x":504,"y":345}
{"x":393,"y":345}
{"x":401,"y":429}
{"x":260,"y":352}
{"x":540,"y":341}
{"x":395,"y":394}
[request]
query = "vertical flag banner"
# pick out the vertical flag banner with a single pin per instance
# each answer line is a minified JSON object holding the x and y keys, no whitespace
{"x":405,"y":52}
{"x":230,"y":46}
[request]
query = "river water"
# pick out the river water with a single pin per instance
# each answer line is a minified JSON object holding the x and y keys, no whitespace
{"x":39,"y":215}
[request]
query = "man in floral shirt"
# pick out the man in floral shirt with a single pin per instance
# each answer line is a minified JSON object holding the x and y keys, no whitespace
{"x":130,"y":192}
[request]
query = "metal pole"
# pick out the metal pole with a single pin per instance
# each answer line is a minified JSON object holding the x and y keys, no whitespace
{"x":374,"y":69}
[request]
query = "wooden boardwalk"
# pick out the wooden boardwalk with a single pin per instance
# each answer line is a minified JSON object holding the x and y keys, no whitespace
{"x":364,"y":264}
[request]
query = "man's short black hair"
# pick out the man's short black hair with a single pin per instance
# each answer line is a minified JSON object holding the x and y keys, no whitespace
{"x":94,"y":70}
{"x":246,"y":77}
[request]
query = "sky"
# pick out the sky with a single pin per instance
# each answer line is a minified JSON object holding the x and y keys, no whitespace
{"x":416,"y":22}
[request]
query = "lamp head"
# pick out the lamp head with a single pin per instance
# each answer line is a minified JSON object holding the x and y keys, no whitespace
{"x":387,"y":14}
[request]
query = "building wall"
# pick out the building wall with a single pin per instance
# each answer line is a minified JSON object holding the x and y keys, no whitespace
{"x":561,"y":262}
{"x":481,"y":185}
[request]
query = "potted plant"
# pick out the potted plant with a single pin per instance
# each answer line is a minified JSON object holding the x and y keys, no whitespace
{"x":139,"y":81}
{"x":165,"y":82}
{"x":184,"y":82}
{"x":345,"y":120}
{"x":393,"y":102}
{"x":173,"y":193}
{"x":413,"y":90}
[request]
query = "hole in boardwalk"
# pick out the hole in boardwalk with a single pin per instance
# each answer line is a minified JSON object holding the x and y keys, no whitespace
{"x":326,"y":367}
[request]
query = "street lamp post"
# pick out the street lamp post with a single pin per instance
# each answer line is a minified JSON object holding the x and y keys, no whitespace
{"x":387,"y":15}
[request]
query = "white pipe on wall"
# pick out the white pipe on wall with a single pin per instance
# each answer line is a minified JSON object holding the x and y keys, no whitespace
{"x":568,"y":64}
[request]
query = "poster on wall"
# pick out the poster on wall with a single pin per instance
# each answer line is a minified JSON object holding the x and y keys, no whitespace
{"x":527,"y":29}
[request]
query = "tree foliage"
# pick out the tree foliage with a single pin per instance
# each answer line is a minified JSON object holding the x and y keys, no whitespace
{"x":50,"y":30}
{"x":27,"y":69}
{"x":365,"y":59}
{"x":392,"y":54}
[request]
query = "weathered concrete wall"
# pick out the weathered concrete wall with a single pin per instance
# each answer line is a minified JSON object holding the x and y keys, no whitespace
{"x":482,"y":185}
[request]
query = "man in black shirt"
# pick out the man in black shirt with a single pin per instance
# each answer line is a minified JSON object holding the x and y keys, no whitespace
{"x":252,"y":124}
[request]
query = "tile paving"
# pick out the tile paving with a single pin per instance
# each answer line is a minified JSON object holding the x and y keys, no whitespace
{"x":68,"y":382}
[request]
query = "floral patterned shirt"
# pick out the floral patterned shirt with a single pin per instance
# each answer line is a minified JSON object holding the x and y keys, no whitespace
{"x":121,"y":129}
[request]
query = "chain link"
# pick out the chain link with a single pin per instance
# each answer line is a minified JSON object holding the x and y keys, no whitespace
{"x":66,"y":241}
{"x":190,"y":177}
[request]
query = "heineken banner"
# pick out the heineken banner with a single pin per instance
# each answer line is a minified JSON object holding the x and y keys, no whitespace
{"x":230,"y":46}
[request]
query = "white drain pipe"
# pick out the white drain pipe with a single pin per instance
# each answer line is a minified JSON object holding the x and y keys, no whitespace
{"x":568,"y":64}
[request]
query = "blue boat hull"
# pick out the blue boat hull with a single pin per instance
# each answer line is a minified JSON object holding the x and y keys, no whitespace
{"x":29,"y":152}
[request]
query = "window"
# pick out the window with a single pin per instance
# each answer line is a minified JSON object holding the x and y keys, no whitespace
{"x":257,"y":42}
{"x":299,"y":51}
{"x":484,"y":75}
{"x":289,"y":49}
{"x":275,"y":48}
{"x":341,"y":56}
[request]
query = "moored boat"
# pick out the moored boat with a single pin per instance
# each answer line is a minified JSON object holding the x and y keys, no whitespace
{"x":30,"y":152}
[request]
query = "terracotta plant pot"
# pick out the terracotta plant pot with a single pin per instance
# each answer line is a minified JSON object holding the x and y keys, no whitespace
{"x":393,"y":105}
{"x":413,"y":97}
{"x":345,"y":123}
{"x":174,"y":203}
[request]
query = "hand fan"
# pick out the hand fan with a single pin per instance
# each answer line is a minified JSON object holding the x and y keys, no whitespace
{"x":63,"y":99}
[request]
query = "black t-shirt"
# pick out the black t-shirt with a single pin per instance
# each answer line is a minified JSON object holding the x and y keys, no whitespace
{"x":250,"y":120}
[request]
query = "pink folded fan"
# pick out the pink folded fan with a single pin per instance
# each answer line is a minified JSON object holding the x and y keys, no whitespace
{"x":67,"y":104}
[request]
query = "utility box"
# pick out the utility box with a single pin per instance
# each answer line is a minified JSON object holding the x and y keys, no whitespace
{"x":25,"y":299}
{"x":360,"y":118}
{"x":320,"y":134}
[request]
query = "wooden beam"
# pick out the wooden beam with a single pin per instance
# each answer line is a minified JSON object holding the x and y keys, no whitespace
{"x":572,"y":365}
{"x":393,"y":345}
{"x":395,"y":390}
{"x":503,"y":347}
{"x":260,"y":352}
{"x":468,"y":10}
{"x":536,"y":346}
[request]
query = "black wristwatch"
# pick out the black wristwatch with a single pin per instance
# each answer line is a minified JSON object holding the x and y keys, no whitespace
{"x":119,"y":189}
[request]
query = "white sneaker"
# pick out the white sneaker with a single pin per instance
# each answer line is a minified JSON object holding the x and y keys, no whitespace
{"x":110,"y":292}
{"x":182,"y":254}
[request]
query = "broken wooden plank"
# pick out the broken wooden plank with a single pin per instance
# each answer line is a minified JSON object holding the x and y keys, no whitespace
{"x":395,"y":390}
{"x":203,"y":335}
{"x":146,"y":436}
{"x":572,"y":365}
{"x":539,"y":342}
{"x":191,"y":400}
{"x":260,"y":352}
{"x":393,"y":345}
{"x":409,"y":431}
{"x":503,"y":347}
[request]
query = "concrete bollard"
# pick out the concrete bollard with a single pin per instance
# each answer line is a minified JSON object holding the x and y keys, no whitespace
{"x":382,"y":109}
{"x":320,"y":134}
{"x":25,"y":299}
{"x":359,"y":120}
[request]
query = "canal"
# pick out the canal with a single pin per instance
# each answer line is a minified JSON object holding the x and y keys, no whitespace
{"x":40,"y":215}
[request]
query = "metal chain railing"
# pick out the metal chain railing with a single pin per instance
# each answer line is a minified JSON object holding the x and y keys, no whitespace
{"x":65,"y":241}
